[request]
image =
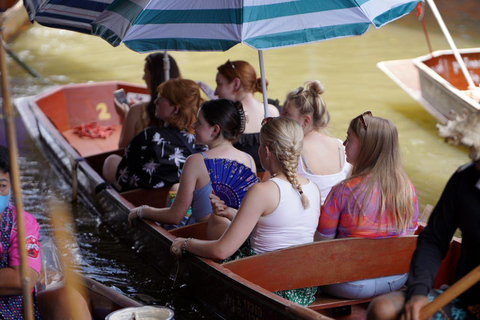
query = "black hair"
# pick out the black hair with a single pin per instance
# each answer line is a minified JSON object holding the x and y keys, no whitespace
{"x":228,"y":115}
{"x":4,"y":159}
{"x":157,"y":74}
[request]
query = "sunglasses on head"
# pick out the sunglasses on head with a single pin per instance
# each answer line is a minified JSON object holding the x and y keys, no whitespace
{"x":362,"y":120}
{"x":267,"y":119}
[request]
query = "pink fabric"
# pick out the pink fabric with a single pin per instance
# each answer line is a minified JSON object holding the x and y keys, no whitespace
{"x":339,"y":217}
{"x":31,"y":241}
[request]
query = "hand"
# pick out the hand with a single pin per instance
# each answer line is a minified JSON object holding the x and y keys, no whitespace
{"x":220,"y":209}
{"x":176,"y":248}
{"x":121,"y":108}
{"x":413,"y":307}
{"x":133,"y":215}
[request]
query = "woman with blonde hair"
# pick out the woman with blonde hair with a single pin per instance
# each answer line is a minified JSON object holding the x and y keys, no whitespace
{"x":274,"y":214}
{"x":377,"y":201}
{"x":154,"y":158}
{"x":323,"y":158}
{"x":219,"y":124}
{"x":237,"y":81}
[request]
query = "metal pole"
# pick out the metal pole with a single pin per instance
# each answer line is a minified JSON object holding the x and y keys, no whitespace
{"x":22,"y":64}
{"x":166,"y":65}
{"x":264,"y":82}
{"x":446,"y":33}
{"x":15,"y":181}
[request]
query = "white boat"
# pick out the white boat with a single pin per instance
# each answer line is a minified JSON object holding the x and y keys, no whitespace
{"x":437,"y":83}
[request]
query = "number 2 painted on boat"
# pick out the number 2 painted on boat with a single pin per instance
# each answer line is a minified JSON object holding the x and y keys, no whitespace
{"x":103,"y":114}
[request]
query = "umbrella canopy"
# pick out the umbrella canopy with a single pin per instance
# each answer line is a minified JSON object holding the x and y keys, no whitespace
{"x":216,"y":25}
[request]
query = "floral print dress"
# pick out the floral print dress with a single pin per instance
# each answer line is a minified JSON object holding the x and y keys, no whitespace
{"x":155,"y":158}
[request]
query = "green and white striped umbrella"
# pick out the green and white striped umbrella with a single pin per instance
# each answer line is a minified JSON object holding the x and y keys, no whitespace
{"x":217,"y":25}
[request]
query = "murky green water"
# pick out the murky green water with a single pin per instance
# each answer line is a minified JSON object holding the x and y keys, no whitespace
{"x":347,"y":67}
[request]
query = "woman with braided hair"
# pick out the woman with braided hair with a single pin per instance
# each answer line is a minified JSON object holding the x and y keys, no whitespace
{"x":219,"y":124}
{"x":274,"y":214}
{"x":377,"y":201}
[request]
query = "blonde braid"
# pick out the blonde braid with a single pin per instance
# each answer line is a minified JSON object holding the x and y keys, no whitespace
{"x":290,"y":166}
{"x":284,"y":137}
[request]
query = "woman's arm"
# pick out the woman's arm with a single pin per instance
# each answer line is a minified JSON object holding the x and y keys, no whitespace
{"x":129,"y":123}
{"x":183,"y":200}
{"x":10,"y":283}
{"x":257,"y":201}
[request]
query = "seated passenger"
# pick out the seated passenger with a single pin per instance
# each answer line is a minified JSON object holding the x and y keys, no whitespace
{"x":142,"y":114}
{"x":274,"y":214}
{"x":237,"y":81}
{"x":458,"y":207}
{"x":219,"y":124}
{"x":376,"y":201}
{"x":11,"y":300}
{"x":323,"y":157}
{"x":154,"y":158}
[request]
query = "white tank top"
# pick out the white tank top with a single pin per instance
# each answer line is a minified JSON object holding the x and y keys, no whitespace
{"x":290,"y":224}
{"x":326,"y":182}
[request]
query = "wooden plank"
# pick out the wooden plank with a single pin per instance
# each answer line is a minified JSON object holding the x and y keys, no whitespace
{"x":96,"y":161}
{"x":152,"y":197}
{"x":327,"y":262}
{"x":196,"y":230}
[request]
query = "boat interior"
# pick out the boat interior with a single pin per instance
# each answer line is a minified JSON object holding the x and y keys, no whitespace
{"x":448,"y":68}
{"x":327,"y":266}
{"x":86,"y":102}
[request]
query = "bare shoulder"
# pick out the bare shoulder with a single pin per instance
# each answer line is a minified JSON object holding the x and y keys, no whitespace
{"x":194,"y":159}
{"x":273,"y":111}
{"x":263,"y":188}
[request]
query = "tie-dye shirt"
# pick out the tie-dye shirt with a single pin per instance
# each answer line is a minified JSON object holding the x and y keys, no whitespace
{"x":339,"y":217}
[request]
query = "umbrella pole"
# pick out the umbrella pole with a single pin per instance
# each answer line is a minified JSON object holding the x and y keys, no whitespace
{"x":15,"y":181}
{"x":264,"y":82}
{"x":446,"y":33}
{"x":166,"y":65}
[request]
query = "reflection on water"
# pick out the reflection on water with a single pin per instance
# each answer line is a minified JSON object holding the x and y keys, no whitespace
{"x":347,"y":67}
{"x":98,"y":254}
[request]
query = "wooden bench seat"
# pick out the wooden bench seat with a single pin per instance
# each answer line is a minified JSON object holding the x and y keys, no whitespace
{"x":152,"y":197}
{"x":327,"y":262}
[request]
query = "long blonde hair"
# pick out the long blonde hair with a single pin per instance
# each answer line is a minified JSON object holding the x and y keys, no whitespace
{"x":308,"y":101}
{"x":379,"y":164}
{"x":284,"y":138}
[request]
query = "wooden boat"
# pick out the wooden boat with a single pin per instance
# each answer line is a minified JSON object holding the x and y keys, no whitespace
{"x":241,"y":289}
{"x":436,"y":81}
{"x":100,"y":299}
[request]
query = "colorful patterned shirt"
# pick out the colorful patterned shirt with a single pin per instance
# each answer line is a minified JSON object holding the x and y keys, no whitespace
{"x":339,"y":217}
{"x":31,"y":242}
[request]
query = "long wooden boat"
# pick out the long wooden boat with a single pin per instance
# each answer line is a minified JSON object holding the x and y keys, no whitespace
{"x":436,"y":81}
{"x":241,"y":289}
